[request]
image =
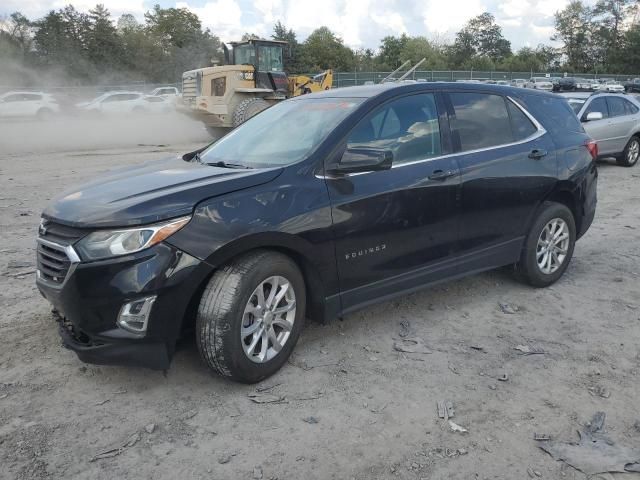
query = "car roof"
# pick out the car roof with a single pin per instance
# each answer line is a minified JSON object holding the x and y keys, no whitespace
{"x":113,"y":92}
{"x":370,"y":91}
{"x":19,"y":92}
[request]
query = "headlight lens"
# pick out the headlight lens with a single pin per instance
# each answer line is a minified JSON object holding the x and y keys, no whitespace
{"x":112,"y":243}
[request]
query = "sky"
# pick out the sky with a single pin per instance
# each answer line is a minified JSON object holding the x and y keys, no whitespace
{"x":360,"y":23}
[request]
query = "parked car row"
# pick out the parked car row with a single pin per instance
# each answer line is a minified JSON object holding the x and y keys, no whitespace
{"x":43,"y":106}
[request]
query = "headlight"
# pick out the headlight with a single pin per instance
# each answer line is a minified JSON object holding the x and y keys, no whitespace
{"x":111,"y":243}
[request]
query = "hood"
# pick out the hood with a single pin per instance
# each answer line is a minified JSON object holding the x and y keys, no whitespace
{"x":149,"y":193}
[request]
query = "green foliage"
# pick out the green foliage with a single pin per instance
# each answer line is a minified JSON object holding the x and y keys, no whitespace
{"x":92,"y":48}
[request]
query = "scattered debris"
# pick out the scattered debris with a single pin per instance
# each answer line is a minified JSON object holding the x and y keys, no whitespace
{"x":120,"y":392}
{"x":266,"y":398}
{"x":445,"y":409}
{"x":188,"y":414}
{"x":405,"y":328}
{"x":599,"y":391}
{"x":637,"y":425}
{"x":492,"y":387}
{"x":257,"y":473}
{"x":266,"y":388}
{"x":222,"y":459}
{"x":131,"y":441}
{"x":20,"y":274}
{"x":595,"y":452}
{"x":102,"y":402}
{"x":541,"y":437}
{"x":504,"y":378}
{"x":454,"y":369}
{"x":19,"y":264}
{"x":411,"y":345}
{"x":478,"y":348}
{"x":150,"y":428}
{"x":311,"y":420}
{"x":457,"y":428}
{"x":508,"y":308}
{"x":529,"y":350}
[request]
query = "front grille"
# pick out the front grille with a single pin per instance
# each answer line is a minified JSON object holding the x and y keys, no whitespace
{"x":189,"y":90}
{"x":54,"y":248}
{"x":53,"y":262}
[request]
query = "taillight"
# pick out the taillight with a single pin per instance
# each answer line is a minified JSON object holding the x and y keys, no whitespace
{"x":592,"y":146}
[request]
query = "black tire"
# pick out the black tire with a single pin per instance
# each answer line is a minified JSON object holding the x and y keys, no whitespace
{"x":248,"y":108}
{"x":625,"y":159}
{"x":220,"y":315}
{"x":527,"y":268}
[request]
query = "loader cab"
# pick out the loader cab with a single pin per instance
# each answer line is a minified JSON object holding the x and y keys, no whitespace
{"x":267,"y":59}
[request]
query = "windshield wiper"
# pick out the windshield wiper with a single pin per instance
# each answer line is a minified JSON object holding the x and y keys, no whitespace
{"x":222,"y":164}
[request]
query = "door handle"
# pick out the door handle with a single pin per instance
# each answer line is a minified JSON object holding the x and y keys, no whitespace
{"x":442,"y":174}
{"x":537,"y":154}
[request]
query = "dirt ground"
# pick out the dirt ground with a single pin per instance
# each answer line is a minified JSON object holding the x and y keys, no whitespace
{"x":349,"y":405}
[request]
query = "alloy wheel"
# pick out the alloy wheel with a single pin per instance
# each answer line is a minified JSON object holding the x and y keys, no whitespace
{"x":553,"y":246}
{"x":268,"y":319}
{"x":633,"y":152}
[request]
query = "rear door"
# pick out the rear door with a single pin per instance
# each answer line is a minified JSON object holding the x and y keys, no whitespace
{"x":396,"y":229}
{"x":623,"y":122}
{"x":507,"y":165}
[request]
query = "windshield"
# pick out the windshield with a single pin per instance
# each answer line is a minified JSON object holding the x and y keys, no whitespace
{"x":270,"y":59}
{"x":576,"y":104}
{"x":244,"y":54}
{"x":283,"y":134}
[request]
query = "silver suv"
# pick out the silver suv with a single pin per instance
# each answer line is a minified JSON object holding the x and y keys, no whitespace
{"x":613,"y":121}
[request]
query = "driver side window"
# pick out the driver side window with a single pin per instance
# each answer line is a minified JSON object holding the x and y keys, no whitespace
{"x":407,"y":126}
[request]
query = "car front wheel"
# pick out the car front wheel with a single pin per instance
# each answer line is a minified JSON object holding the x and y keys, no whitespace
{"x":250,"y":316}
{"x":549,"y":246}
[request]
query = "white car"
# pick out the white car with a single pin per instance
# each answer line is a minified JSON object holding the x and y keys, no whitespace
{"x":612,"y":87}
{"x":28,"y":104}
{"x":165,"y":92}
{"x":540,"y":83}
{"x":519,"y":82}
{"x":113,"y":103}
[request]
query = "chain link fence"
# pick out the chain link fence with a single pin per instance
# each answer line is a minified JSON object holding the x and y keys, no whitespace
{"x":348,"y":79}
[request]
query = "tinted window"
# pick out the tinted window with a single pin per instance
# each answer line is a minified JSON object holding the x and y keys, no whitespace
{"x":481,"y":120}
{"x":554,"y":113}
{"x":154,"y":99}
{"x":13,"y":98}
{"x":616,"y":106}
{"x":407,"y":126}
{"x":629,"y":107}
{"x":521,"y":126}
{"x":597,"y":105}
{"x":29,"y":97}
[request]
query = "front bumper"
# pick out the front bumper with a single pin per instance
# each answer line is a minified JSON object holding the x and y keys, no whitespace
{"x":91,"y":296}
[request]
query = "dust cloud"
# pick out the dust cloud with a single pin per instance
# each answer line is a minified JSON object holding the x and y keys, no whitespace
{"x":73,"y":133}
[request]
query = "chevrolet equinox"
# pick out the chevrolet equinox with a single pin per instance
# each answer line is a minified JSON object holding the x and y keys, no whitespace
{"x":316,"y":207}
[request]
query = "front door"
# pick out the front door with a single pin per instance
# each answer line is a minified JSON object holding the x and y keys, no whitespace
{"x":396,"y":229}
{"x":602,"y":131}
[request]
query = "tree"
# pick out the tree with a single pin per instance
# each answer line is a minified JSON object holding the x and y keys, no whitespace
{"x":104,"y":46}
{"x":575,"y":29}
{"x":294,"y":61}
{"x":174,"y":27}
{"x":390,"y":51}
{"x":323,"y":50}
{"x":417,"y":48}
{"x":480,"y":37}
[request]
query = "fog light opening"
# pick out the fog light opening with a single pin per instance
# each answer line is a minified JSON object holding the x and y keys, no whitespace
{"x":134,"y":315}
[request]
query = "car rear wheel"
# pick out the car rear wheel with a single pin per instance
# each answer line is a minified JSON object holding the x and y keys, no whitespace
{"x":549,"y":246}
{"x":250,"y":316}
{"x":630,"y":154}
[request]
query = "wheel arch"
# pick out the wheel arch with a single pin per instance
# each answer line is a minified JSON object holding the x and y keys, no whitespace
{"x":567,"y":197}
{"x":318,"y":285}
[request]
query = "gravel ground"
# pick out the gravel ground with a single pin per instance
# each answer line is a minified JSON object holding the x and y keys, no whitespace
{"x":347,"y":405}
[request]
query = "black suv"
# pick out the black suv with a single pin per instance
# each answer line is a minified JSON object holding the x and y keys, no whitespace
{"x":316,"y":207}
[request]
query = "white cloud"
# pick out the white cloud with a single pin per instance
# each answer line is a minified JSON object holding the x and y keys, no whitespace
{"x":448,"y":16}
{"x":223,"y":17}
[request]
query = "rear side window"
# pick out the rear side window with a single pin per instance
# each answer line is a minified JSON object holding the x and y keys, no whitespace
{"x":481,"y":120}
{"x":31,"y":96}
{"x":521,"y":126}
{"x":597,"y":105}
{"x":630,"y":108}
{"x":408,"y":126}
{"x":616,"y":107}
{"x":553,"y":112}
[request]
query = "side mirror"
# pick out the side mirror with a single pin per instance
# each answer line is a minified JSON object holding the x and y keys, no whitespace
{"x":356,"y":160}
{"x":591,"y":116}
